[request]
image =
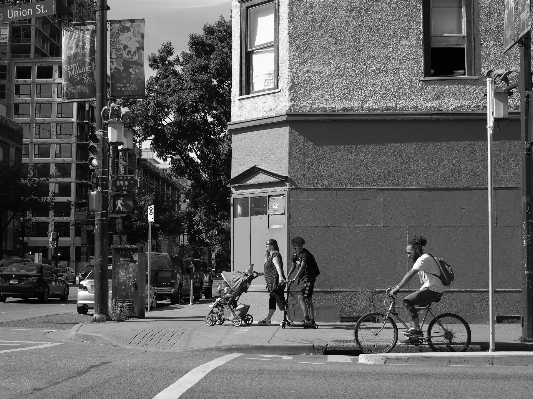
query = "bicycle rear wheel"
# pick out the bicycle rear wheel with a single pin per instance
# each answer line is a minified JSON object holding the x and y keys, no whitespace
{"x":449,"y":332}
{"x":376,"y":334}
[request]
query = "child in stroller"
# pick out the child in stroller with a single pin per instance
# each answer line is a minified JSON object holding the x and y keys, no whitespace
{"x":234,"y":285}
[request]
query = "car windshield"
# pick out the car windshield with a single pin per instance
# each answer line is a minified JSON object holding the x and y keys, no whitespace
{"x":22,"y":268}
{"x":90,"y":276}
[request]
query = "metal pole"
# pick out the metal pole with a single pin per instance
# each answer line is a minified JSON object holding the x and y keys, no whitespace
{"x":149,"y":260}
{"x":490,"y":126}
{"x":101,"y":218}
{"x":191,"y":295}
{"x":527,"y":219}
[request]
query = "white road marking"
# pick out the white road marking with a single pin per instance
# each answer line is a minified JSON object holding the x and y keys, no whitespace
{"x":192,"y":377}
{"x":9,"y":344}
{"x":282,"y":357}
{"x":40,"y":345}
{"x":310,"y":363}
{"x":256,"y":358}
{"x":339,"y":358}
{"x":243,"y":330}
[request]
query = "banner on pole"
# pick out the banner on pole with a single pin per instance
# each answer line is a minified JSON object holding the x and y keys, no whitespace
{"x":79,"y":62}
{"x":127,"y":58}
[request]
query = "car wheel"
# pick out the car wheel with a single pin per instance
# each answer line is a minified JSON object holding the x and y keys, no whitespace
{"x":44,"y":295}
{"x":83,"y":309}
{"x":64,"y":297}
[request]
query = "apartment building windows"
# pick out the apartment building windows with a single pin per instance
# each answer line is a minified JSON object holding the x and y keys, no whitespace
{"x":41,"y":150}
{"x":23,"y":91}
{"x":39,"y":229}
{"x":45,"y":72}
{"x":25,"y":130}
{"x":59,"y":92}
{"x":65,"y":110}
{"x":43,"y":110}
{"x":62,"y":209}
{"x":259,"y":46}
{"x":64,"y":131}
{"x":41,"y":170}
{"x":23,"y":72}
{"x":43,"y":131}
{"x":448,"y":38}
{"x":25,"y":150}
{"x":3,"y":72}
{"x":64,"y":150}
{"x":43,"y":91}
{"x":62,"y":189}
{"x":63,"y":170}
{"x":21,"y":110}
{"x":3,"y":92}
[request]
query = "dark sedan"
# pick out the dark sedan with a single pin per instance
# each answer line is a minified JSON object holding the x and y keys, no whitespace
{"x":32,"y":280}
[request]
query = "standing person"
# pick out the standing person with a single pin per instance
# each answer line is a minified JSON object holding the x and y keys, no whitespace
{"x":275,"y":279}
{"x":432,"y":288}
{"x":305,"y":262}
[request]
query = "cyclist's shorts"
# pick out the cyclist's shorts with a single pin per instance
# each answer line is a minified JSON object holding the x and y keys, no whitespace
{"x":307,"y":289}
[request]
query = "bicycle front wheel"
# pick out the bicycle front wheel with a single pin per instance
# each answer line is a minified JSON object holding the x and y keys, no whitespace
{"x":375,"y":333}
{"x":449,"y":332}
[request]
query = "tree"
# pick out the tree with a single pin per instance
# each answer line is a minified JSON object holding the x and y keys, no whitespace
{"x":185,"y":113}
{"x":20,"y":191}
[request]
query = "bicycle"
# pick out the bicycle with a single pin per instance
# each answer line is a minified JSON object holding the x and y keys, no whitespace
{"x":378,"y":333}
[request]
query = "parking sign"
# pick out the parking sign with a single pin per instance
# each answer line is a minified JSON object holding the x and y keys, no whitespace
{"x":151,"y":213}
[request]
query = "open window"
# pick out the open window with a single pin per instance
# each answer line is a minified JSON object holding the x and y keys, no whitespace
{"x":259,"y":46}
{"x":448,"y":38}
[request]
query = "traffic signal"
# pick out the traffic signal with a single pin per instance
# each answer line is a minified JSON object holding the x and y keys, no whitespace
{"x":123,"y":203}
{"x":96,"y":141}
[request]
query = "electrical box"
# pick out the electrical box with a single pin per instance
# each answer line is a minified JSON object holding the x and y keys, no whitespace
{"x":129,"y":281}
{"x":501,"y":105}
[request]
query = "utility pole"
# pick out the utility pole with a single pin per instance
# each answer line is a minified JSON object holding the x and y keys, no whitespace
{"x":527,"y":211}
{"x":101,"y":216}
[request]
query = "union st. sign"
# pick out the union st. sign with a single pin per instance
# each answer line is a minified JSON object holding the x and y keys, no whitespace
{"x":25,"y":11}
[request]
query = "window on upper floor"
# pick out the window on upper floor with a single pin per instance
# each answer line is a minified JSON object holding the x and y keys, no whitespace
{"x":259,"y":46}
{"x":63,"y":150}
{"x":448,"y":38}
{"x":64,"y":131}
{"x":3,"y":92}
{"x":23,"y":91}
{"x":21,"y":110}
{"x":25,"y":150}
{"x":45,"y":72}
{"x":43,"y":91}
{"x":41,"y":150}
{"x":43,"y":110}
{"x":65,"y":110}
{"x":43,"y":131}
{"x":23,"y":72}
{"x":25,"y":130}
{"x":3,"y":72}
{"x":63,"y":170}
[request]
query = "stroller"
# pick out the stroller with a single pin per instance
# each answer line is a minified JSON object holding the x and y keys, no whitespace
{"x":238,"y":283}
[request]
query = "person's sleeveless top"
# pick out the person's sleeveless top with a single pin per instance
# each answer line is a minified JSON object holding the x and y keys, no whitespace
{"x":271,"y":274}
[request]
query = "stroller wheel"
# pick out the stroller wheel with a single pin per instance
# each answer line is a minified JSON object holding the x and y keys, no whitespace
{"x":248,"y":319}
{"x":237,"y":321}
{"x":210,"y":320}
{"x":221,"y":320}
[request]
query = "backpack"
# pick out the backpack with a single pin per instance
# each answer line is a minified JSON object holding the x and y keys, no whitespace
{"x":314,"y":265}
{"x":446,"y":271}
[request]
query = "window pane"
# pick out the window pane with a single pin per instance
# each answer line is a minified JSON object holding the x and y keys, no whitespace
{"x":276,"y":205}
{"x":41,"y":170}
{"x":63,"y":170}
{"x":43,"y":131}
{"x":446,"y":17}
{"x":39,"y":229}
{"x":43,"y":91}
{"x":23,"y":72}
{"x":258,"y":206}
{"x":23,"y":91}
{"x":25,"y":151}
{"x":59,"y":90}
{"x":61,"y":209}
{"x":40,"y":209}
{"x":41,"y":150}
{"x":25,"y":130}
{"x":63,"y":229}
{"x":63,"y":189}
{"x":262,"y":70}
{"x":64,"y":110}
{"x":64,"y":131}
{"x":22,"y":110}
{"x":261,"y":25}
{"x":45,"y":71}
{"x":63,"y":151}
{"x":43,"y":110}
{"x":240,"y":207}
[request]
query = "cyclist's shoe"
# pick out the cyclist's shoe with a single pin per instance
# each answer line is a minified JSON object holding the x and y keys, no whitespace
{"x":408,"y":341}
{"x":413,"y":332}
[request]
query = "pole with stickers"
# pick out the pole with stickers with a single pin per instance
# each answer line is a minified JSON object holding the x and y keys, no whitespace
{"x":151,"y":217}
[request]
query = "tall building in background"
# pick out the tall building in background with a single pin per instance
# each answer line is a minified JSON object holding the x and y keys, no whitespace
{"x":55,"y":132}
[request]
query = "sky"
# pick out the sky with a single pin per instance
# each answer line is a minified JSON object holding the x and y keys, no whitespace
{"x":169,"y":20}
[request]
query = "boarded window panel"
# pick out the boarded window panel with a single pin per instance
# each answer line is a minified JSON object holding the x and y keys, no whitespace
{"x":261,"y":29}
{"x":258,"y":206}
{"x":262,"y":70}
{"x":240,"y":207}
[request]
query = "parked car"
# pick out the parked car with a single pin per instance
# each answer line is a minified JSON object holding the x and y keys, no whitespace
{"x":84,"y":273}
{"x":7,"y":262}
{"x":32,"y":280}
{"x":85,"y":300}
{"x":68,"y":274}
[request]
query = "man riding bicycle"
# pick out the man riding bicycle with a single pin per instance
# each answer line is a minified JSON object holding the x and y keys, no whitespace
{"x":432,"y":288}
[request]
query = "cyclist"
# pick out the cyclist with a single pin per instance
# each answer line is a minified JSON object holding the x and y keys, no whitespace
{"x":432,"y":288}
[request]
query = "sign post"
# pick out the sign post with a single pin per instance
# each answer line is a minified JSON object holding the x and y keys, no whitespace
{"x":151,"y":218}
{"x":490,"y":125}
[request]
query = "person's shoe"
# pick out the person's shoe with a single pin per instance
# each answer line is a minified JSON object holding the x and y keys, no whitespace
{"x":264,"y":322}
{"x":413,"y":332}
{"x":406,"y":341}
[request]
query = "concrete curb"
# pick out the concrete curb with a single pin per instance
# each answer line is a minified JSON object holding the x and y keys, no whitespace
{"x":75,"y":335}
{"x":451,"y":359}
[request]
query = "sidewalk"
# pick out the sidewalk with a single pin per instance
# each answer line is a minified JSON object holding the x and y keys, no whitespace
{"x":180,"y":328}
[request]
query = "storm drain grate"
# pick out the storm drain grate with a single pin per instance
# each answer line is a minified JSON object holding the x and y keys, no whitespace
{"x":160,"y":339}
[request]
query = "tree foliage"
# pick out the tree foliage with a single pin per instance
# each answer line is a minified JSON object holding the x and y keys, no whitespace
{"x":20,"y":191}
{"x":185,"y":114}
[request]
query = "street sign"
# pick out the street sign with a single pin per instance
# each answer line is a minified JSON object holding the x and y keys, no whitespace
{"x":25,"y":11}
{"x":123,"y":203}
{"x":124,"y":183}
{"x":524,"y":17}
{"x":508,"y":25}
{"x":151,"y":213}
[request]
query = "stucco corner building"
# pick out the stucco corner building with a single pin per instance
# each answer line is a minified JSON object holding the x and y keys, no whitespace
{"x":359,"y":124}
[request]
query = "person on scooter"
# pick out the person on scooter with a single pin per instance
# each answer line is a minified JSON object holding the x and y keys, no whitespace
{"x":301,"y":260}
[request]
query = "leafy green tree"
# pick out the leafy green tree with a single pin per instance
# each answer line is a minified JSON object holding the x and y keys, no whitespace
{"x":20,"y":191}
{"x":185,"y":113}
